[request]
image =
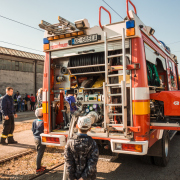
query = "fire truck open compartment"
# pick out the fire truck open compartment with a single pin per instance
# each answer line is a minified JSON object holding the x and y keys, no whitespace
{"x":84,"y":75}
{"x":158,"y":77}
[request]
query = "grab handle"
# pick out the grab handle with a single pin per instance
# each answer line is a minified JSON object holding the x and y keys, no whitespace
{"x":127,"y":8}
{"x":101,"y":7}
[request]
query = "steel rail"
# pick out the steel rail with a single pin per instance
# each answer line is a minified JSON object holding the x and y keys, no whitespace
{"x":16,"y":156}
{"x":47,"y":170}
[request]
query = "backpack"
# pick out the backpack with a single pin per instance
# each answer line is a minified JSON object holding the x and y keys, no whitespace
{"x":1,"y":98}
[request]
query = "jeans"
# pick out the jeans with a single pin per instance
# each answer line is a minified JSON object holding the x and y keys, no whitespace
{"x":22,"y":107}
{"x":40,"y":151}
{"x":19,"y":105}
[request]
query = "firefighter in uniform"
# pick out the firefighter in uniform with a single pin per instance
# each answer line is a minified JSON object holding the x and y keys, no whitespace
{"x":9,"y":113}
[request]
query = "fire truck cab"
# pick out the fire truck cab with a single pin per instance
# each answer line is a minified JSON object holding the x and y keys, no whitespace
{"x":123,"y":78}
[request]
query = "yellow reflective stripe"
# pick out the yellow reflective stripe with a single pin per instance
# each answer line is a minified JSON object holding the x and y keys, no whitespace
{"x":44,"y":105}
{"x":10,"y":135}
{"x":141,"y":108}
{"x":3,"y":136}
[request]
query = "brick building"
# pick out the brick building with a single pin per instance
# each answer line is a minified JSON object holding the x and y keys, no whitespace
{"x":21,"y":70}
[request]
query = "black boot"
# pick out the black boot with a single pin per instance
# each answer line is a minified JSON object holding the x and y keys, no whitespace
{"x":3,"y":141}
{"x":11,"y":140}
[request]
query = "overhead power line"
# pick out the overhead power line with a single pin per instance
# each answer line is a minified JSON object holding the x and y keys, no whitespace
{"x":173,"y":42}
{"x":112,"y":9}
{"x":20,"y":46}
{"x":175,"y":51}
{"x":21,"y":23}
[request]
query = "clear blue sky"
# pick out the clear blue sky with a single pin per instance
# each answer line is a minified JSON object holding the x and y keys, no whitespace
{"x":162,"y":15}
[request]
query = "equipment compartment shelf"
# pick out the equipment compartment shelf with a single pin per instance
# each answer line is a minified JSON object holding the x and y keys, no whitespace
{"x":93,"y":102}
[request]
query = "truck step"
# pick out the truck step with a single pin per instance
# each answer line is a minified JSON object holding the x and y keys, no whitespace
{"x":114,"y":104}
{"x":109,"y":85}
{"x":118,"y":94}
{"x":115,"y":114}
{"x":114,"y":75}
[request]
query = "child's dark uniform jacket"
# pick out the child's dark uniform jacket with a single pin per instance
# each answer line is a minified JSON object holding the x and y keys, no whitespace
{"x":38,"y":128}
{"x":81,"y":153}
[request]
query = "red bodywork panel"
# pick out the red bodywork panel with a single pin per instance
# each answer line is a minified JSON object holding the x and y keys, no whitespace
{"x":59,"y":117}
{"x":171,"y":101}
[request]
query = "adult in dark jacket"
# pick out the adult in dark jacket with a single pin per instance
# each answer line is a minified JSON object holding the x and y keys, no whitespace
{"x":9,"y":113}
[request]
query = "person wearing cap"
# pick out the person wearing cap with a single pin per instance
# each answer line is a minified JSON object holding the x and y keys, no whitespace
{"x":81,"y":153}
{"x":38,"y":128}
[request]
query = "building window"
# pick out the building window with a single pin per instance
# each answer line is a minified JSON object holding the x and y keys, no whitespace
{"x":13,"y":66}
{"x":5,"y":64}
{"x":39,"y":68}
{"x":16,"y":66}
{"x":27,"y":67}
{"x":1,"y":64}
{"x":20,"y":66}
{"x":30,"y":67}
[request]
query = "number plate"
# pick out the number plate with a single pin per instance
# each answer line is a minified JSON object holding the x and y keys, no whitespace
{"x":85,"y":39}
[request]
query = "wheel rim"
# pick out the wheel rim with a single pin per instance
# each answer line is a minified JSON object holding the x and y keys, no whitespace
{"x":166,"y":146}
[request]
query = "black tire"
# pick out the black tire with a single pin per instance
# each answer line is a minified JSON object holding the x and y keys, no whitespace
{"x":163,"y":161}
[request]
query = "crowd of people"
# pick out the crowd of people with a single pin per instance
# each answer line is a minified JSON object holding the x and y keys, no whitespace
{"x":24,"y":104}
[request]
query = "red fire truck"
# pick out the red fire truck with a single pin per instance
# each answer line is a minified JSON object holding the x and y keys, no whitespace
{"x":123,"y":78}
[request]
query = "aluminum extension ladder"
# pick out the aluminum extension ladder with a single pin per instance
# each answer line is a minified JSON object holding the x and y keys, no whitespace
{"x":107,"y":88}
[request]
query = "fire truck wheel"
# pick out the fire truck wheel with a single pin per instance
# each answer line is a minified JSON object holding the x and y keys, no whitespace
{"x":163,"y":161}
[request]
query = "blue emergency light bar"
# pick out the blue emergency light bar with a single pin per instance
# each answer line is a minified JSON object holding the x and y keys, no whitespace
{"x":130,"y":24}
{"x":45,"y":41}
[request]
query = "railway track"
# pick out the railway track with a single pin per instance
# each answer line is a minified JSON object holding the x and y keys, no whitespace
{"x":16,"y":156}
{"x":101,"y":158}
{"x":47,"y":170}
{"x":26,"y":153}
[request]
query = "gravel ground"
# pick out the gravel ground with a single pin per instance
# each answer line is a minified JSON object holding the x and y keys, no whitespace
{"x":24,"y":167}
{"x":129,"y":167}
{"x":126,"y":167}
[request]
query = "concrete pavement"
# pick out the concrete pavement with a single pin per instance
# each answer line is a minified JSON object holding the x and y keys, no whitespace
{"x":25,"y":116}
{"x":25,"y":142}
{"x":25,"y":138}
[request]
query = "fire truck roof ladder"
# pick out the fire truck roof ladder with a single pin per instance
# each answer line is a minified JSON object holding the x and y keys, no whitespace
{"x":107,"y":89}
{"x":60,"y":28}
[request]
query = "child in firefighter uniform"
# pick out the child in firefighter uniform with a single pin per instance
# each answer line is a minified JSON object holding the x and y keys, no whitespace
{"x":81,"y":153}
{"x":38,"y":128}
